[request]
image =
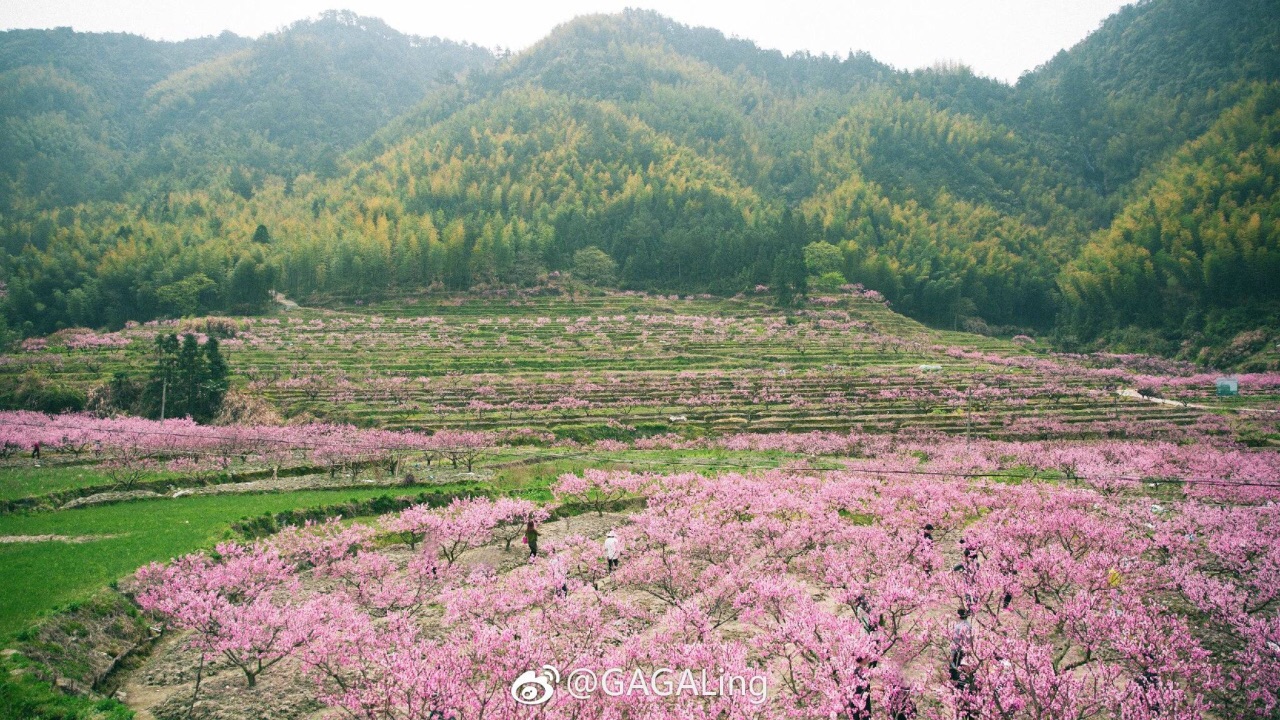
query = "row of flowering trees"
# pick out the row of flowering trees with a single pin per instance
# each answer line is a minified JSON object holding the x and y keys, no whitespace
{"x":130,"y":445}
{"x":851,"y":595}
{"x":1203,"y":464}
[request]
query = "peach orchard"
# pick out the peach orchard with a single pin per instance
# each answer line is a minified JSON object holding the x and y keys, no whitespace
{"x":858,"y":593}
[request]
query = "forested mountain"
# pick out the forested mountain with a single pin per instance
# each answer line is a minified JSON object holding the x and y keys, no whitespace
{"x":293,"y":101}
{"x":1153,"y":76}
{"x":91,"y":116}
{"x":1196,"y":247}
{"x":68,"y":101}
{"x":1123,"y":192}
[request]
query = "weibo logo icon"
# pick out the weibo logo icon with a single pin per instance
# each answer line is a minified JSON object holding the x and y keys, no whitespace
{"x":535,"y":688}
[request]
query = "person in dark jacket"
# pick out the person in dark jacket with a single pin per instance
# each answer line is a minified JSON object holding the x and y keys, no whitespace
{"x":531,"y":537}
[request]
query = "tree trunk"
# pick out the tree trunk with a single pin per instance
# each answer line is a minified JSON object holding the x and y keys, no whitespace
{"x":195,"y":693}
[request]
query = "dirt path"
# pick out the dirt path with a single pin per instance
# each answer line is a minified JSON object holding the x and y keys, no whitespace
{"x":295,"y":483}
{"x":5,"y":539}
{"x":1130,"y":393}
{"x":285,"y":302}
{"x":140,"y":698}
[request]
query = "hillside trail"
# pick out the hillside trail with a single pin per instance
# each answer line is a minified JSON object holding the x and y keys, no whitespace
{"x":1130,"y":393}
{"x":284,"y":302}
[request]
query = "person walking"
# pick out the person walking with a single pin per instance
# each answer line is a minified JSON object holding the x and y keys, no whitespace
{"x":858,"y":707}
{"x":925,"y":546}
{"x":611,"y":549}
{"x":862,"y":611}
{"x":531,"y":539}
{"x":961,"y":641}
{"x":559,"y":573}
{"x":960,"y":671}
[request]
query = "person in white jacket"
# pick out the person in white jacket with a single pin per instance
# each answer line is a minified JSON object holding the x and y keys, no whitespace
{"x":611,"y":549}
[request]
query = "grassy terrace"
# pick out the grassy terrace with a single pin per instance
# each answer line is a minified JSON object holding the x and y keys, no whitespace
{"x":117,"y":539}
{"x":20,"y":481}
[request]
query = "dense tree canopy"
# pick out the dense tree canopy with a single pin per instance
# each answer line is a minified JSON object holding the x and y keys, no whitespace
{"x":1128,"y":183}
{"x":1199,"y":248}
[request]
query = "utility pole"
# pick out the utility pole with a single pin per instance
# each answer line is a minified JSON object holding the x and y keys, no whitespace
{"x":164,"y":391}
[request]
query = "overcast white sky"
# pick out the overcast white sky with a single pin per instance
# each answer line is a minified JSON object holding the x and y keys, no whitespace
{"x":997,"y":38}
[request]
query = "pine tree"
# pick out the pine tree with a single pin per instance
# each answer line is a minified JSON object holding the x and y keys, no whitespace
{"x":161,"y":384}
{"x":188,"y":380}
{"x":192,"y":372}
{"x":214,"y":387}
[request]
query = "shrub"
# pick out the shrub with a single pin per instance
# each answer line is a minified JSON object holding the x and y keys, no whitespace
{"x":34,"y":392}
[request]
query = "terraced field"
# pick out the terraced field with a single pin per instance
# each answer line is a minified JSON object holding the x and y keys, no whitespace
{"x":426,"y":400}
{"x":654,"y":365}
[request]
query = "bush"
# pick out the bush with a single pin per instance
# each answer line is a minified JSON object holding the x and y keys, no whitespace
{"x":593,"y":266}
{"x":591,"y":432}
{"x":240,"y":408}
{"x":22,"y":695}
{"x":1241,"y":347}
{"x":1134,"y":339}
{"x":120,"y":395}
{"x":975,"y":325}
{"x":827,"y":282}
{"x":33,"y":392}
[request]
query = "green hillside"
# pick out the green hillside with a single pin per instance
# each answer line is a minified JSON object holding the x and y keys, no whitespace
{"x":1153,"y":76}
{"x":1195,"y":251}
{"x":68,"y":102}
{"x":294,"y":101}
{"x":339,"y":157}
{"x":113,"y":116}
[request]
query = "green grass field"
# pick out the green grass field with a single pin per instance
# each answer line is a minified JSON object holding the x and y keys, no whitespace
{"x":29,"y":481}
{"x":38,"y":577}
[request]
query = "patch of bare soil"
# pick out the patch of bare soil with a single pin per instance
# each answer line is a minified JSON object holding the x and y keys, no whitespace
{"x":591,"y":526}
{"x":137,"y":689}
{"x":280,"y":694}
{"x":4,"y":539}
{"x":319,"y":481}
{"x":110,"y":497}
{"x":163,"y":688}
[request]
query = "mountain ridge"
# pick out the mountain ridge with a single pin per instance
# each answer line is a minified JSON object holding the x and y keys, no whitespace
{"x":964,"y":200}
